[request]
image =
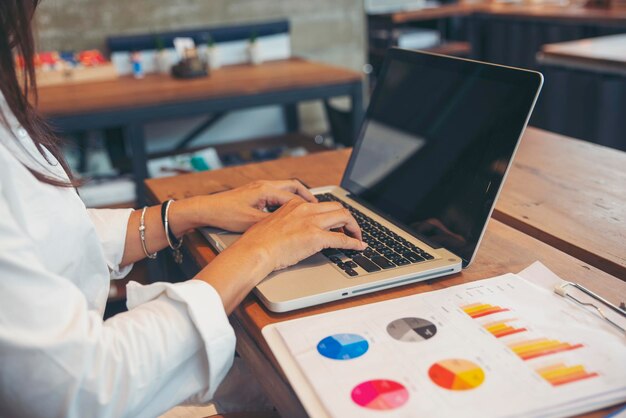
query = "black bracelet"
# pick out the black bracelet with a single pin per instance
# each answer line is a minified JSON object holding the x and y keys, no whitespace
{"x":170,"y":235}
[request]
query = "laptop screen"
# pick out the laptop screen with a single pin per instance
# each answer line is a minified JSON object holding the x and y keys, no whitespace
{"x":436,"y":143}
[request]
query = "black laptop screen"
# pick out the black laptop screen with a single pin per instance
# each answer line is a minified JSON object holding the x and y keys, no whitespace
{"x":436,"y":142}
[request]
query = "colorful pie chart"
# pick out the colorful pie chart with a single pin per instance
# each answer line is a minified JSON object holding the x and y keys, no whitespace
{"x":456,"y":374}
{"x":411,"y":329}
{"x":343,"y":346}
{"x":381,"y":395}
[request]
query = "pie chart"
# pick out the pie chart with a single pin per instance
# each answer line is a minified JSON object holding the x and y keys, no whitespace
{"x":343,"y":346}
{"x":411,"y":329}
{"x":381,"y":395}
{"x":456,"y":374}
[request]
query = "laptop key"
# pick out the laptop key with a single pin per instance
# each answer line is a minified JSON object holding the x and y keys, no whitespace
{"x":427,"y":256}
{"x":383,"y":262}
{"x":329,"y":252}
{"x":351,"y":272}
{"x":368,"y":252}
{"x":412,"y":257}
{"x":365,"y":264}
{"x":394,"y":257}
{"x":402,"y":262}
{"x":351,"y":264}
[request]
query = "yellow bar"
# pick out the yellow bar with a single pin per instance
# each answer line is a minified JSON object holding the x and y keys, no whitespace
{"x":557,"y":374}
{"x":571,"y":377}
{"x":498,"y":327}
{"x":553,"y":367}
{"x":527,"y":342}
{"x":475,"y":309}
{"x":536,"y":346}
{"x":471,"y":305}
{"x":499,"y":321}
{"x":544,"y":349}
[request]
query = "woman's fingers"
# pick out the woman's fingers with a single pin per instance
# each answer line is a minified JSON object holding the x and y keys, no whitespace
{"x":341,"y":240}
{"x":294,"y":186}
{"x":278,"y":197}
{"x":339,"y":219}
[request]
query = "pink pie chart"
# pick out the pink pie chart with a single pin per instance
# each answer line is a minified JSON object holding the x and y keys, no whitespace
{"x":382,"y":395}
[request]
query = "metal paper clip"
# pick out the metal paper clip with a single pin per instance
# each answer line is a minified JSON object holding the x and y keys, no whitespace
{"x":561,"y":290}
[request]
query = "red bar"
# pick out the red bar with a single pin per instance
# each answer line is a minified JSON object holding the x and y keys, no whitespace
{"x":489,"y":311}
{"x":552,"y":351}
{"x":573,"y":379}
{"x":509,"y":332}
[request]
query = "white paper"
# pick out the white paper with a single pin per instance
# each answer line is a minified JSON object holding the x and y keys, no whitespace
{"x":511,"y":386}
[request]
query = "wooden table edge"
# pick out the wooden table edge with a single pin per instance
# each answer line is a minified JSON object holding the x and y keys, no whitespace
{"x":586,"y":256}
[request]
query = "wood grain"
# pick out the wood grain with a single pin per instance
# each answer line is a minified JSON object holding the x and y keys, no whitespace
{"x":238,"y":80}
{"x":527,"y":11}
{"x":504,"y":249}
{"x":602,"y":54}
{"x":570,"y":194}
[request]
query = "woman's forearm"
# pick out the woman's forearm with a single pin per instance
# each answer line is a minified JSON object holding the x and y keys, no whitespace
{"x":235,"y":272}
{"x":183,"y":217}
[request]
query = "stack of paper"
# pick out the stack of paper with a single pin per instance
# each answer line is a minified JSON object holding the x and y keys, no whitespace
{"x":500,"y":347}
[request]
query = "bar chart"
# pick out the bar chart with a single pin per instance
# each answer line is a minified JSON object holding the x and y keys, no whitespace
{"x":561,"y":374}
{"x":479,"y":309}
{"x":530,"y":349}
{"x":503,"y":328}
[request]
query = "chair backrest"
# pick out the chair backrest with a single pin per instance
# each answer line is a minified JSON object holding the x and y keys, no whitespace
{"x":218,"y":34}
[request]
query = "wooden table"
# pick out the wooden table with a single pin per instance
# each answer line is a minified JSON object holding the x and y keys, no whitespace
{"x":571,"y":13}
{"x":503,"y":249}
{"x":130,"y":103}
{"x":570,"y":194}
{"x":604,"y":54}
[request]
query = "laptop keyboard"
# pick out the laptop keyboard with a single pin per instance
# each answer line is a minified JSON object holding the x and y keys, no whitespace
{"x":386,"y":249}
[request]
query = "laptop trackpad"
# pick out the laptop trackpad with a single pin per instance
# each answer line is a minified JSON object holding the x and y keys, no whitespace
{"x":228,"y":238}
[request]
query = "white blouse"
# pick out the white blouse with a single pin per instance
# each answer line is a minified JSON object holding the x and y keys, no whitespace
{"x":58,"y":358}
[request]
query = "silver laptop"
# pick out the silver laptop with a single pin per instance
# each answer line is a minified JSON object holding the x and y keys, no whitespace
{"x":423,"y":178}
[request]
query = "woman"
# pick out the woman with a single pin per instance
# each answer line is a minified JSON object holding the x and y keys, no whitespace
{"x":57,"y":356}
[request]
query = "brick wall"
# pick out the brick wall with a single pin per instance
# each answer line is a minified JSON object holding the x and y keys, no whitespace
{"x":328,"y":30}
{"x":331,"y":31}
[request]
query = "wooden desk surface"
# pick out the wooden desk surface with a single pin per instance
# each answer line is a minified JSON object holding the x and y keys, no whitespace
{"x":605,"y":53}
{"x":570,"y":194}
{"x":127,"y":92}
{"x":504,"y":249}
{"x":571,"y":14}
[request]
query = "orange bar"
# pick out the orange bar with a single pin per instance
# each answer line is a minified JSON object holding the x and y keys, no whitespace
{"x":509,"y":332}
{"x":571,"y":379}
{"x":551,"y":368}
{"x":545,"y":352}
{"x":498,"y":322}
{"x":497,"y":327}
{"x":537,"y":342}
{"x":489,"y":311}
{"x":471,"y":305}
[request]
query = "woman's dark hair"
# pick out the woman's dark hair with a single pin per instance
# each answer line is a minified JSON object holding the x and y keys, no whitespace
{"x":16,"y":38}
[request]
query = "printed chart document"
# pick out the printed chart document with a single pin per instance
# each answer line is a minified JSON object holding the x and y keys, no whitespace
{"x":500,"y":347}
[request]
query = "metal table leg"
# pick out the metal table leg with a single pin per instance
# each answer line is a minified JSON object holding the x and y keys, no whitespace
{"x":135,"y":136}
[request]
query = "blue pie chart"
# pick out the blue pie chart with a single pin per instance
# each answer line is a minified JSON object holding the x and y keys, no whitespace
{"x":343,"y":346}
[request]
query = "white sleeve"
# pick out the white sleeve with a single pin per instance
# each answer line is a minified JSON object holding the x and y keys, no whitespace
{"x":59,"y":359}
{"x":111,"y":226}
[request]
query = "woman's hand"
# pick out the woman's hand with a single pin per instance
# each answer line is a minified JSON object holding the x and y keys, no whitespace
{"x":238,"y":209}
{"x":298,"y":230}
{"x":294,"y":232}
